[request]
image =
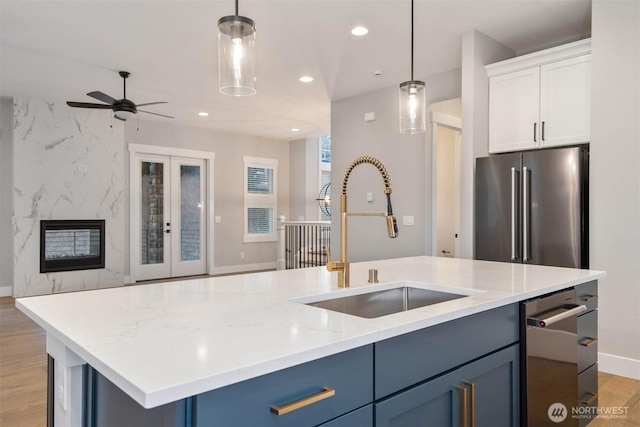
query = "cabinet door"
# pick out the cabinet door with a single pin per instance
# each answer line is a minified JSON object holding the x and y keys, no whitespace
{"x":494,"y":386}
{"x":433,"y":403}
{"x":565,"y":102}
{"x":514,"y":108}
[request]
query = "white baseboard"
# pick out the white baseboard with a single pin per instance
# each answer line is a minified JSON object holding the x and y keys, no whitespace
{"x":618,"y":365}
{"x":244,"y":268}
{"x":6,"y":291}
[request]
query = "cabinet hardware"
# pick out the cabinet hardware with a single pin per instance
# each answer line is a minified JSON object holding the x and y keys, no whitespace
{"x":305,"y":401}
{"x":587,"y":298}
{"x":472,"y":398}
{"x":535,"y":127}
{"x":463,"y":392}
{"x":590,"y":399}
{"x":588,"y":342}
{"x":571,"y":310}
{"x":542,"y":138}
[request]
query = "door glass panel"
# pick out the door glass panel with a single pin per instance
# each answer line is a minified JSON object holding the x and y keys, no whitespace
{"x":152,"y":213}
{"x":190,"y":209}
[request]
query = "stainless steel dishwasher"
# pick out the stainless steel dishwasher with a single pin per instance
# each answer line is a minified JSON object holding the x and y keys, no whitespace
{"x":550,"y":360}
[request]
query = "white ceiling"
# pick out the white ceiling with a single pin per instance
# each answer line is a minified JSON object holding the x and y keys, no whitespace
{"x":60,"y":50}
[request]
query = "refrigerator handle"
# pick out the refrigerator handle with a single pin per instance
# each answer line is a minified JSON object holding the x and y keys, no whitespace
{"x":525,"y":214}
{"x":514,"y":213}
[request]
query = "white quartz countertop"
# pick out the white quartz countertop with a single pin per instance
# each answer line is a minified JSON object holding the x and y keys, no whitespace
{"x":167,"y":341}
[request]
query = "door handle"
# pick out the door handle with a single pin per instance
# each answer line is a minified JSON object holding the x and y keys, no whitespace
{"x":463,"y":397}
{"x":571,"y":310}
{"x":514,"y":185}
{"x":472,"y":405}
{"x":525,"y":214}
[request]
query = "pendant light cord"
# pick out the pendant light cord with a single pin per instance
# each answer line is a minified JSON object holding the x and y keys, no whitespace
{"x":411,"y":40}
{"x":237,"y":7}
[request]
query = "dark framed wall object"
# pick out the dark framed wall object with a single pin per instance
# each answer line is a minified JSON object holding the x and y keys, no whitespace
{"x":67,"y":245}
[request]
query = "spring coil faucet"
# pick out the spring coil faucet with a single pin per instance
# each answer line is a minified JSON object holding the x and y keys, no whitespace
{"x":342,"y":266}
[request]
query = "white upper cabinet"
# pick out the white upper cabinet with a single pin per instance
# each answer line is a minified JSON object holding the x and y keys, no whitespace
{"x":541,"y":100}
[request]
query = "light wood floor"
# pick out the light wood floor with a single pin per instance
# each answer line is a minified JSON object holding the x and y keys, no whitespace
{"x":23,"y":377}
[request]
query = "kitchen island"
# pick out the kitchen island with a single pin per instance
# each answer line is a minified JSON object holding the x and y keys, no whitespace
{"x":170,"y":351}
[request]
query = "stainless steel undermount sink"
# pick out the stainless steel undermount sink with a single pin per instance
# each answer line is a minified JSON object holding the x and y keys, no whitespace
{"x":385,"y":301}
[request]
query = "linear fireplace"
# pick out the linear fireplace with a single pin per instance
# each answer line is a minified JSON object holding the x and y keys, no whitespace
{"x":67,"y":245}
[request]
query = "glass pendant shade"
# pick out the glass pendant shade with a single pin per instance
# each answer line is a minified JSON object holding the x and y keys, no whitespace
{"x":237,"y":55}
{"x":412,"y":107}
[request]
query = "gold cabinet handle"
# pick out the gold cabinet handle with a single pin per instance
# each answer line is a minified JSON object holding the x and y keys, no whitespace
{"x":590,"y":399}
{"x":463,"y":392}
{"x":588,"y":342}
{"x":305,"y":401}
{"x":472,"y":406}
{"x":589,"y":297}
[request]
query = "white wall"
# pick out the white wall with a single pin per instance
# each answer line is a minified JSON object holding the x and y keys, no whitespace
{"x":615,"y":181}
{"x":6,"y":196}
{"x":52,"y":145}
{"x":406,"y":157}
{"x":478,"y":50}
{"x":229,"y":150}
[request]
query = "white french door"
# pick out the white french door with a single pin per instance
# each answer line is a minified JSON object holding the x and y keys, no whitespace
{"x":169,"y":207}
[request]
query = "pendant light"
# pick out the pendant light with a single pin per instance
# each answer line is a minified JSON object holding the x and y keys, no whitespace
{"x":412,"y":99}
{"x":237,"y":55}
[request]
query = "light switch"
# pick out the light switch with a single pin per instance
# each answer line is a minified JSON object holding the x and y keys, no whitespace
{"x":369,"y":197}
{"x":369,"y":117}
{"x":218,"y":219}
{"x":407,"y":220}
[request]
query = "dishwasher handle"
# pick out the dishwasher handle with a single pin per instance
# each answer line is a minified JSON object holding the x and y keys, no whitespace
{"x":570,"y":310}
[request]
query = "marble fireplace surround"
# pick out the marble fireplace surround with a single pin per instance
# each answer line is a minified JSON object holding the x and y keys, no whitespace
{"x":68,"y":164}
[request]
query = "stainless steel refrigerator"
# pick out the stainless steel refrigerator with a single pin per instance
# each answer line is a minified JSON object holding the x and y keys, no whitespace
{"x":532,"y":207}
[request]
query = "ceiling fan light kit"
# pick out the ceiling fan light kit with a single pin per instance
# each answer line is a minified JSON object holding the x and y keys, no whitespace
{"x":123,"y":109}
{"x":237,"y":55}
{"x":412,"y":100}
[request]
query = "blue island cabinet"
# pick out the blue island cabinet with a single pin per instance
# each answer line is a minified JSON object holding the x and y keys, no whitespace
{"x":466,"y":369}
{"x":481,"y":393}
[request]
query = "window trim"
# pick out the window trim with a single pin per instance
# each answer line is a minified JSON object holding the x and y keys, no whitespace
{"x":253,"y":200}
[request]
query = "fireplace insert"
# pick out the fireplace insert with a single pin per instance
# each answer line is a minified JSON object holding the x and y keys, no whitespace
{"x":67,"y":245}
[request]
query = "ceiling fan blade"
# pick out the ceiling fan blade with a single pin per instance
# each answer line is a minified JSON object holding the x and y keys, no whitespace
{"x":156,"y":114}
{"x":88,"y":105}
{"x":151,"y":103}
{"x":101,"y":96}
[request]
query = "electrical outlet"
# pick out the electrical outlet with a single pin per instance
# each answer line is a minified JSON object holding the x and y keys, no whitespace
{"x":241,"y":254}
{"x":408,"y":220}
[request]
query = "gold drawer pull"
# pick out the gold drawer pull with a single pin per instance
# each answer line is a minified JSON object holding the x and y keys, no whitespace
{"x":588,"y":342}
{"x":590,"y":400}
{"x":305,"y":401}
{"x":589,"y":297}
{"x":463,"y":396}
{"x":472,"y":404}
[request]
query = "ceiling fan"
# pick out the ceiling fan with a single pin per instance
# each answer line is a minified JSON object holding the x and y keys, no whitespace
{"x":122,"y":108}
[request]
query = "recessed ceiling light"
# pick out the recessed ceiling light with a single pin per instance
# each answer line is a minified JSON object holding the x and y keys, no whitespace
{"x":306,"y":79}
{"x":203,"y":114}
{"x":359,"y":31}
{"x":295,"y":130}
